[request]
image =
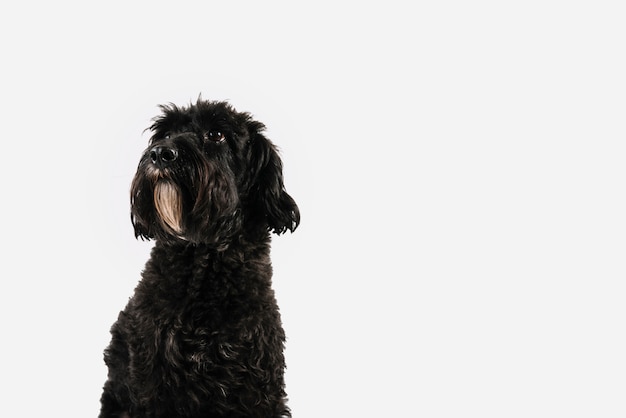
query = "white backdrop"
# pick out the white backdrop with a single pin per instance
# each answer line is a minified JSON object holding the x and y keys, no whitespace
{"x":459,"y":168}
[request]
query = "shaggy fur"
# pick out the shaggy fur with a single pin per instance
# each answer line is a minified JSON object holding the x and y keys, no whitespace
{"x":202,"y":335}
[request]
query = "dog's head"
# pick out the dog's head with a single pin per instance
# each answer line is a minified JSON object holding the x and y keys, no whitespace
{"x":209,"y":174}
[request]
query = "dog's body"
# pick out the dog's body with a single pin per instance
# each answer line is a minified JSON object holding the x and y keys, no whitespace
{"x":202,"y":335}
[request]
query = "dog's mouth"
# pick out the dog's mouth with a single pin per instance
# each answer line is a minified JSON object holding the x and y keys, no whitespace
{"x":169,"y":205}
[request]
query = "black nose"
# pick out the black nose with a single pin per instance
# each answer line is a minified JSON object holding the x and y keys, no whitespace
{"x":163,"y":156}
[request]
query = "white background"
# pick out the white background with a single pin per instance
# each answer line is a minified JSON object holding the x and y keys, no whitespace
{"x":459,"y":167}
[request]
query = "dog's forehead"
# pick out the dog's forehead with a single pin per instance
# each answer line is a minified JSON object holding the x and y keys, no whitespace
{"x":199,"y":116}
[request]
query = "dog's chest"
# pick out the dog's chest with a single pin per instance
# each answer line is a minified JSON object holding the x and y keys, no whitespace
{"x":193,"y":334}
{"x":199,"y":316}
{"x":174,"y":350}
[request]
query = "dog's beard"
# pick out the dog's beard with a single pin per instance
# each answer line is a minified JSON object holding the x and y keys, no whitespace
{"x":197,"y":205}
{"x":169,"y":205}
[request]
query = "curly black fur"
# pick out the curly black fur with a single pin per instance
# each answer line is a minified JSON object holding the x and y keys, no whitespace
{"x":202,"y":335}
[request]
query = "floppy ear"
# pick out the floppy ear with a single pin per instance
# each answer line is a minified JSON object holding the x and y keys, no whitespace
{"x":267,"y":191}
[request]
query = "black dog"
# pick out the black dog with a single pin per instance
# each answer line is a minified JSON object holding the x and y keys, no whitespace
{"x":202,"y":335}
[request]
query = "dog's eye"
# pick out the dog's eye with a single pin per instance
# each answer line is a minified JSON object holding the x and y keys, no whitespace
{"x":214,"y":136}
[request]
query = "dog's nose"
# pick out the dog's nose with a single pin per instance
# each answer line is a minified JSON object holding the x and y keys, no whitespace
{"x":162,"y":156}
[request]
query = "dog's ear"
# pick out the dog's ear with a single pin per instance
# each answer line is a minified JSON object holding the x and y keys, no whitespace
{"x":267,"y":191}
